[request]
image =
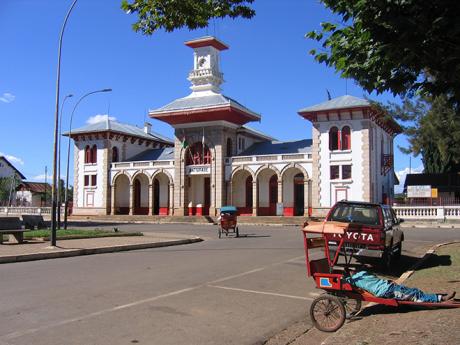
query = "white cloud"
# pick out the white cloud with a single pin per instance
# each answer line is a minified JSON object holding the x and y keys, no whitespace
{"x":7,"y":97}
{"x":99,"y":118}
{"x":402,"y":177}
{"x":12,"y":159}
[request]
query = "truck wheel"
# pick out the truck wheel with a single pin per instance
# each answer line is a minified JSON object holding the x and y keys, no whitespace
{"x":397,"y":253}
{"x":327,"y":313}
{"x":387,"y":259}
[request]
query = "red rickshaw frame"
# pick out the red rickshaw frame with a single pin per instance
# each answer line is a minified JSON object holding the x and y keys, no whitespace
{"x":327,"y":277}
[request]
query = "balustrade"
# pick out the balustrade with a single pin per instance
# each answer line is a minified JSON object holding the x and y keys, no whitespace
{"x":427,"y":212}
{"x":26,"y":210}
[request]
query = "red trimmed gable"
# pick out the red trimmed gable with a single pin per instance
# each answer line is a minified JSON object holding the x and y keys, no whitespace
{"x":225,"y":113}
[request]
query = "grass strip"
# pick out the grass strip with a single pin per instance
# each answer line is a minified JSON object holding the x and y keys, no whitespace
{"x":73,"y":234}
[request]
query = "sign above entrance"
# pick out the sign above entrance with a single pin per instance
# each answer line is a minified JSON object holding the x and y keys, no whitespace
{"x":198,"y":169}
{"x":419,"y":191}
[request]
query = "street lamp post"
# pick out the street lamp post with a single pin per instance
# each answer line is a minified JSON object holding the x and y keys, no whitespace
{"x":66,"y":192}
{"x":56,"y":125}
{"x":59,"y":199}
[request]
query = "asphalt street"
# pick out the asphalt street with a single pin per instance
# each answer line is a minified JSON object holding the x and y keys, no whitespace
{"x":219,"y":291}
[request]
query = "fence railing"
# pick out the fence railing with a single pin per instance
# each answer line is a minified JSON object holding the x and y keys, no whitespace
{"x":271,"y":158}
{"x":26,"y":210}
{"x":440,"y":213}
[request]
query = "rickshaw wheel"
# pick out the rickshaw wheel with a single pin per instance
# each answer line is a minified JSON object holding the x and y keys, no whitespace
{"x":237,"y":232}
{"x":219,"y":231}
{"x":327,"y":313}
{"x":352,"y":306}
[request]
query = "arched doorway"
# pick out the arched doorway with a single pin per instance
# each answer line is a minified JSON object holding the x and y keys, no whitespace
{"x":161,"y":194}
{"x":141,"y":195}
{"x":121,"y":204}
{"x":198,"y":170}
{"x":242,"y":192}
{"x":294,"y":202}
{"x":267,"y":181}
{"x":299,"y":195}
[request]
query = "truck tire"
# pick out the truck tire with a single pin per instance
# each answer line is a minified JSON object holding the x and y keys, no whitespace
{"x":387,"y":258}
{"x":397,"y":253}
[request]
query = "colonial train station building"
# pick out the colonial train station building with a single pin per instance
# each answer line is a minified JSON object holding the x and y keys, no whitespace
{"x":215,"y":159}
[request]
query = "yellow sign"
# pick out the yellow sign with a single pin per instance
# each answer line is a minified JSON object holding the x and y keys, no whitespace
{"x":434,"y":192}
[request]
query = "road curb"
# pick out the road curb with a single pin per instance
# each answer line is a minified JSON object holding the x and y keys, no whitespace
{"x":93,"y":251}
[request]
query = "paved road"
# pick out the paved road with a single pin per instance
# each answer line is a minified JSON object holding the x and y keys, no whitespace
{"x":227,"y":291}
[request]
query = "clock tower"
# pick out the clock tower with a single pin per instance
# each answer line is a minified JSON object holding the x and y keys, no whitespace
{"x":206,"y":75}
{"x":206,"y":124}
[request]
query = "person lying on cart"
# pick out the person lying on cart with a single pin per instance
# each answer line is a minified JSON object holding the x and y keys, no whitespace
{"x":389,"y":289}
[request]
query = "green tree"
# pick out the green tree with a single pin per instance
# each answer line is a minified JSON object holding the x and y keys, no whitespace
{"x":7,"y":187}
{"x":402,"y":46}
{"x":174,"y":14}
{"x":433,"y":130}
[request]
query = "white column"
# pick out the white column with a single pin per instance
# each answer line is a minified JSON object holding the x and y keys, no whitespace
{"x":255,"y":197}
{"x":230,"y":189}
{"x":306,"y":194}
{"x":150,"y":196}
{"x":131,"y":199}
{"x":280,"y":191}
{"x":171,"y":199}
{"x":113,"y":202}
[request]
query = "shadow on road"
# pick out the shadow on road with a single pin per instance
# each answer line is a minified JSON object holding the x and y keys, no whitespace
{"x":253,"y":235}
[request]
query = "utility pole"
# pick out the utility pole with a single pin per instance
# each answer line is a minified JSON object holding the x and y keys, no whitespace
{"x":46,"y":185}
{"x":56,"y":130}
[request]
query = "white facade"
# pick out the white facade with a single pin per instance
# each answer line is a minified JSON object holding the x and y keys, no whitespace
{"x":215,"y":160}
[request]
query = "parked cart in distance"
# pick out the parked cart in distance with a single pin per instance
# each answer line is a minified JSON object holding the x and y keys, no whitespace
{"x":227,"y":221}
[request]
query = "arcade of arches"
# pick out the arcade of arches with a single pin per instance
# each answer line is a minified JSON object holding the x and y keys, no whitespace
{"x":253,"y":194}
{"x":260,"y":195}
{"x":141,"y":195}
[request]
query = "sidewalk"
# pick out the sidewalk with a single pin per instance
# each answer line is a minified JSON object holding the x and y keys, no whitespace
{"x":379,"y":324}
{"x":38,"y":250}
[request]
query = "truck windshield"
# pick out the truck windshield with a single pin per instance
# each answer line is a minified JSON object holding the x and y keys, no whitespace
{"x":355,"y":213}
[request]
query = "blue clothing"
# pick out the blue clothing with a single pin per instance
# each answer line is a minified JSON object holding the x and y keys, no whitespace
{"x":388,"y":289}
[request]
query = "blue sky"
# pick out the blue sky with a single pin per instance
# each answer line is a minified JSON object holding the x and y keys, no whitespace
{"x":267,"y":68}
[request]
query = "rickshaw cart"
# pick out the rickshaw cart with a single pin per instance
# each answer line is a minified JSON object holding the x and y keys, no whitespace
{"x":228,"y":221}
{"x":341,"y":300}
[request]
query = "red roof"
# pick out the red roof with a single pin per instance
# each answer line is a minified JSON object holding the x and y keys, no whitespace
{"x":34,"y":187}
{"x":377,"y":115}
{"x":206,"y":42}
{"x":223,"y":113}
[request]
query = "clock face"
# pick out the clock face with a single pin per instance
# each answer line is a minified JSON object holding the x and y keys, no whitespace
{"x":201,"y":62}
